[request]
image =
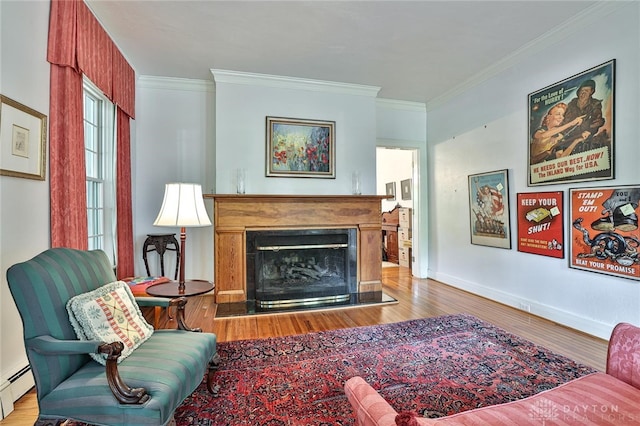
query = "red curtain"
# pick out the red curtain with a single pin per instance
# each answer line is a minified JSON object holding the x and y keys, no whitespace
{"x":124,"y":80}
{"x":78,"y":44}
{"x":123,"y":198}
{"x":66,"y":160}
{"x":94,"y":50}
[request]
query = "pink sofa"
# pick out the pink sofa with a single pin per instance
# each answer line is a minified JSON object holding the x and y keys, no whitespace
{"x":596,"y":399}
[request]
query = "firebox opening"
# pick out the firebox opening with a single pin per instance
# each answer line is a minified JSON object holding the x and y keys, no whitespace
{"x":301,"y":267}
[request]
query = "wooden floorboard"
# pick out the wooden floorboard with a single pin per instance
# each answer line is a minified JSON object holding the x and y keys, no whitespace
{"x":417,"y":298}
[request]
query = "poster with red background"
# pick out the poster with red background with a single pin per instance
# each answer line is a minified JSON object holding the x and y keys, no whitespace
{"x":540,"y":223}
{"x":604,"y":230}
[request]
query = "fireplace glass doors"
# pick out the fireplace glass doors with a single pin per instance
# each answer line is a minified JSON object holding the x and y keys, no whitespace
{"x":301,"y":267}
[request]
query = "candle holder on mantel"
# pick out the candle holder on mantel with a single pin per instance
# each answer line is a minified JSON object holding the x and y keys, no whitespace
{"x":356,"y":187}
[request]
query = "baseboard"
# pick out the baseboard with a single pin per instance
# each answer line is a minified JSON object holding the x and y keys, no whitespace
{"x":6,"y":399}
{"x":11,"y":390}
{"x":568,"y":319}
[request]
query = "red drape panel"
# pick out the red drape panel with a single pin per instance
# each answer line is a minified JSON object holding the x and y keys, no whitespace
{"x":61,"y":49}
{"x":77,"y":41}
{"x":124,"y":84}
{"x":123,"y":198}
{"x":94,"y":50}
{"x":66,"y":160}
{"x":124,"y":97}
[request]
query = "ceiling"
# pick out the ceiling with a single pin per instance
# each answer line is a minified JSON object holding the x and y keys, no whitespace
{"x":413,"y":50}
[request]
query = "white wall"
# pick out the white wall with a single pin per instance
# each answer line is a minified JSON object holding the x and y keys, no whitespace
{"x":24,"y":211}
{"x":485,"y":129}
{"x":243,"y":101}
{"x":404,"y":125}
{"x":177,"y":140}
{"x":174,"y":143}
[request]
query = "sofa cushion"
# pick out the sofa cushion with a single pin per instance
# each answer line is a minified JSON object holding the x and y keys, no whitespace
{"x":595,"y":399}
{"x":170,"y":366}
{"x":109,"y":314}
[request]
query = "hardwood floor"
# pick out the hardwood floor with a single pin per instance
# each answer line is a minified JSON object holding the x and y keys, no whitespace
{"x":417,"y":298}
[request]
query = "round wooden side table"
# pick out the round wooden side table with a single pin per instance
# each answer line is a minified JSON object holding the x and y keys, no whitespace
{"x":172,"y":289}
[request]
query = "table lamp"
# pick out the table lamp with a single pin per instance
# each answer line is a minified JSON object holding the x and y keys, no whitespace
{"x":182,"y":206}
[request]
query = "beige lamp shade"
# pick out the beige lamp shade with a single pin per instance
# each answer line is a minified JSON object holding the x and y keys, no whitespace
{"x":183,"y":206}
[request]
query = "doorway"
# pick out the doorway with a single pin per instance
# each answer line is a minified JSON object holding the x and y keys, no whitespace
{"x":397,"y":174}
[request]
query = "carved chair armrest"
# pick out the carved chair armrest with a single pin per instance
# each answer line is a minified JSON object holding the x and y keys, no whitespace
{"x":121,"y":391}
{"x":153,"y":301}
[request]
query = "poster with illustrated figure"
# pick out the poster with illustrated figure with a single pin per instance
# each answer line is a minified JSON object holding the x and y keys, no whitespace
{"x":571,"y":136}
{"x":489,"y":209}
{"x":540,"y":223}
{"x":604,"y":230}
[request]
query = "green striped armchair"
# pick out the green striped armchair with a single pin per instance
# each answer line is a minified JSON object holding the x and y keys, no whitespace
{"x":145,"y":388}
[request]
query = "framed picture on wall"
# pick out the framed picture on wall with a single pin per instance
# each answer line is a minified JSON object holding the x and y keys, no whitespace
{"x":604,"y":230}
{"x":489,"y":209}
{"x":23,"y":140}
{"x":571,"y":129}
{"x":300,"y":148}
{"x":405,"y":189}
{"x":391,"y":190}
{"x":540,"y":222}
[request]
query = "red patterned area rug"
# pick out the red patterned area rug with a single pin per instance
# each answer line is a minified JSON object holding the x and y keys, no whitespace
{"x":433,"y":366}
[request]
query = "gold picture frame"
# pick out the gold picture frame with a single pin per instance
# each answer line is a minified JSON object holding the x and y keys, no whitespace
{"x":300,"y":148}
{"x":23,"y":140}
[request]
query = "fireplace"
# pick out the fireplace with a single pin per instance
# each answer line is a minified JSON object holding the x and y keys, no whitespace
{"x":236,"y":215}
{"x":298,"y":267}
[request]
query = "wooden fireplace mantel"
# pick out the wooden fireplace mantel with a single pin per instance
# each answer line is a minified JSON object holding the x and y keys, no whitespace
{"x":234,"y":214}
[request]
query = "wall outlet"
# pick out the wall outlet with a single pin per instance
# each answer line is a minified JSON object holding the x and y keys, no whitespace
{"x":525,"y":307}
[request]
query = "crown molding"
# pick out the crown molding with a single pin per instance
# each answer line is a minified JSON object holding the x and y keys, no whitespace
{"x":401,"y":105}
{"x":283,"y":82}
{"x":173,"y":83}
{"x":590,"y":16}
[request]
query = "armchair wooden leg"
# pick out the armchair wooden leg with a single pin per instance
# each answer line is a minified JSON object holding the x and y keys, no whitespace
{"x":213,"y":367}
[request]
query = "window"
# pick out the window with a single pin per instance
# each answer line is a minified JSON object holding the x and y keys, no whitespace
{"x":99,"y":144}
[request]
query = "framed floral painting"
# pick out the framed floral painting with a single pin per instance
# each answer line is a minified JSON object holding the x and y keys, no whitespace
{"x":300,"y":148}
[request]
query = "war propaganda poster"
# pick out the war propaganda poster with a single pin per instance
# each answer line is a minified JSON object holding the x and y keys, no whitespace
{"x":489,"y":205}
{"x":571,"y":136}
{"x":604,"y":232}
{"x":540,"y":223}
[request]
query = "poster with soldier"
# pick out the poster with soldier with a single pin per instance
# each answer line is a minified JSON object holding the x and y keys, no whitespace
{"x":489,"y":205}
{"x":604,"y":230}
{"x":571,"y":136}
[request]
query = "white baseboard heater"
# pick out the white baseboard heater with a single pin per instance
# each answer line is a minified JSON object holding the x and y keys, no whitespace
{"x":13,"y":388}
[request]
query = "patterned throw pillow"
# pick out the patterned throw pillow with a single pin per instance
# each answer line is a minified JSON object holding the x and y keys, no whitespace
{"x":109,"y":314}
